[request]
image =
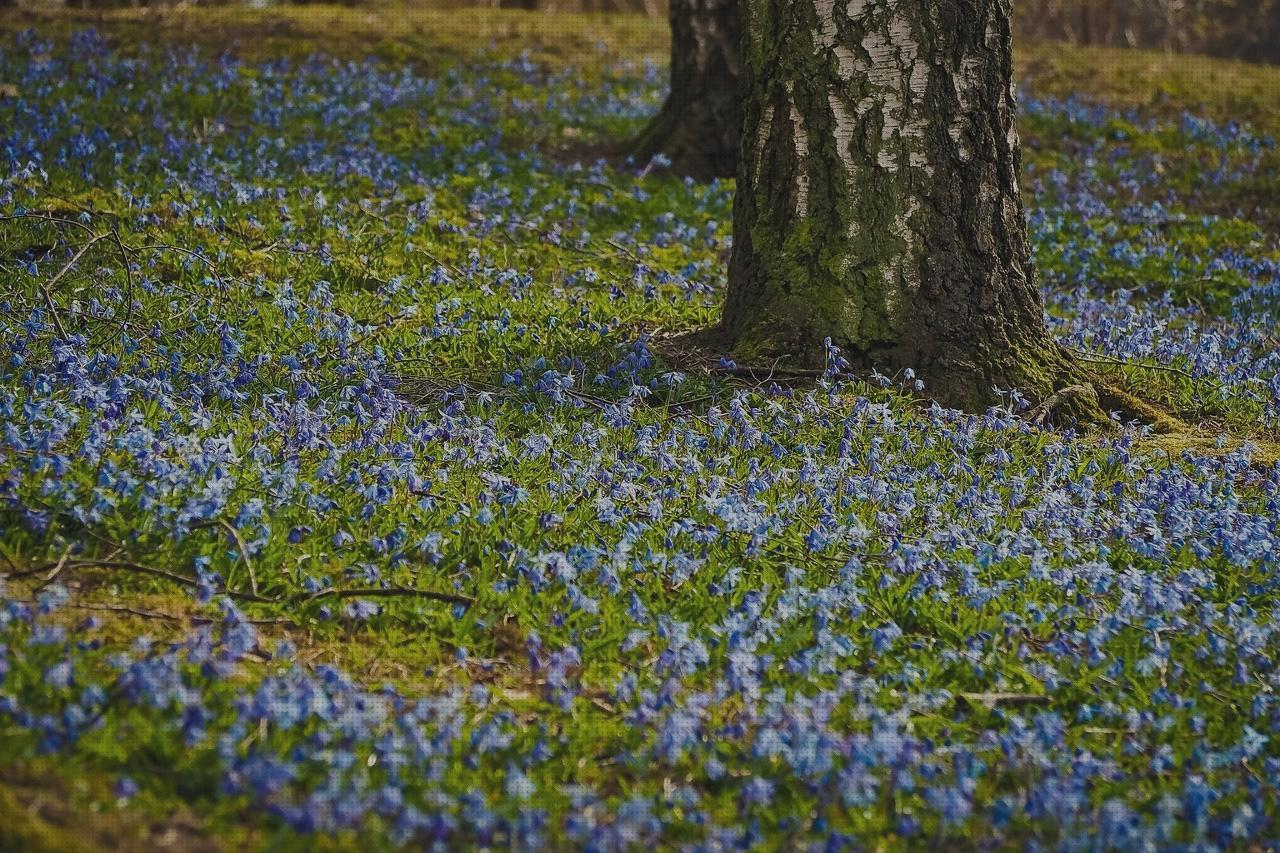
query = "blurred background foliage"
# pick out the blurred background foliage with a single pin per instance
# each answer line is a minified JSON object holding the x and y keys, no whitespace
{"x":1235,"y":29}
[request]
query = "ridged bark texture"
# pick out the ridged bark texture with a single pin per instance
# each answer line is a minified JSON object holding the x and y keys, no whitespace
{"x":878,"y":200}
{"x":699,"y":125}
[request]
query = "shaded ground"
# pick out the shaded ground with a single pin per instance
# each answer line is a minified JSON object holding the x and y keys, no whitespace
{"x":48,"y":811}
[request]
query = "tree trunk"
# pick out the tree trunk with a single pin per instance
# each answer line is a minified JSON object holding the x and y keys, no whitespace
{"x":878,"y":201}
{"x":699,"y":125}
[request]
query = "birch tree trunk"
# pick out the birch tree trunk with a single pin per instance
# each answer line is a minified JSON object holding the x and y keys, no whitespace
{"x":698,"y":127}
{"x":878,"y":201}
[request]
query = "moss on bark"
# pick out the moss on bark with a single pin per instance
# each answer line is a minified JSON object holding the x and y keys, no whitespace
{"x":878,"y":201}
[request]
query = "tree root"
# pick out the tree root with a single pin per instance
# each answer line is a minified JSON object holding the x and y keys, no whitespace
{"x":1042,"y":413}
{"x":1070,"y":392}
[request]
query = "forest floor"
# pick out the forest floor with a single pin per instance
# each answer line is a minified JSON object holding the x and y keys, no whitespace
{"x":349,"y":500}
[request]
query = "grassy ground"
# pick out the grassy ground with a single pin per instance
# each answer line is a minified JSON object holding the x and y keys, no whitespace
{"x":346,"y":328}
{"x":1165,"y":83}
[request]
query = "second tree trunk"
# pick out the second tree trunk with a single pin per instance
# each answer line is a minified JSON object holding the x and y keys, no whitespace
{"x":699,"y":125}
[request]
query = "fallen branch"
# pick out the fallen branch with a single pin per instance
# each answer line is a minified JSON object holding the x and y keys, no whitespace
{"x":164,"y":247}
{"x":143,"y":569}
{"x":439,"y":387}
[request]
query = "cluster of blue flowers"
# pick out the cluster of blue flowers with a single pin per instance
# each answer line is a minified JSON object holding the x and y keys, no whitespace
{"x":319,"y":376}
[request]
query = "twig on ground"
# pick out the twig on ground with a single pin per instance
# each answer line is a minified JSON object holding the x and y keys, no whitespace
{"x":392,"y":592}
{"x":774,"y":370}
{"x":244,"y":551}
{"x":59,"y":220}
{"x":123,"y":249}
{"x":283,"y":622}
{"x":128,"y":272}
{"x":624,"y":250}
{"x":126,"y":565}
{"x":1085,"y":355}
{"x":57,"y":569}
{"x":991,"y":700}
{"x":185,"y":580}
{"x":47,"y":287}
{"x":162,"y":247}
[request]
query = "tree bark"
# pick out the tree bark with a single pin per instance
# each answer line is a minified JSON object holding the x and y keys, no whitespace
{"x":698,"y":127}
{"x":878,"y":201}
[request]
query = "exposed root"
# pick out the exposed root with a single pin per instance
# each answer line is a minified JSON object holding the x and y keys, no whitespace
{"x":1070,"y":394}
{"x":1042,"y":413}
